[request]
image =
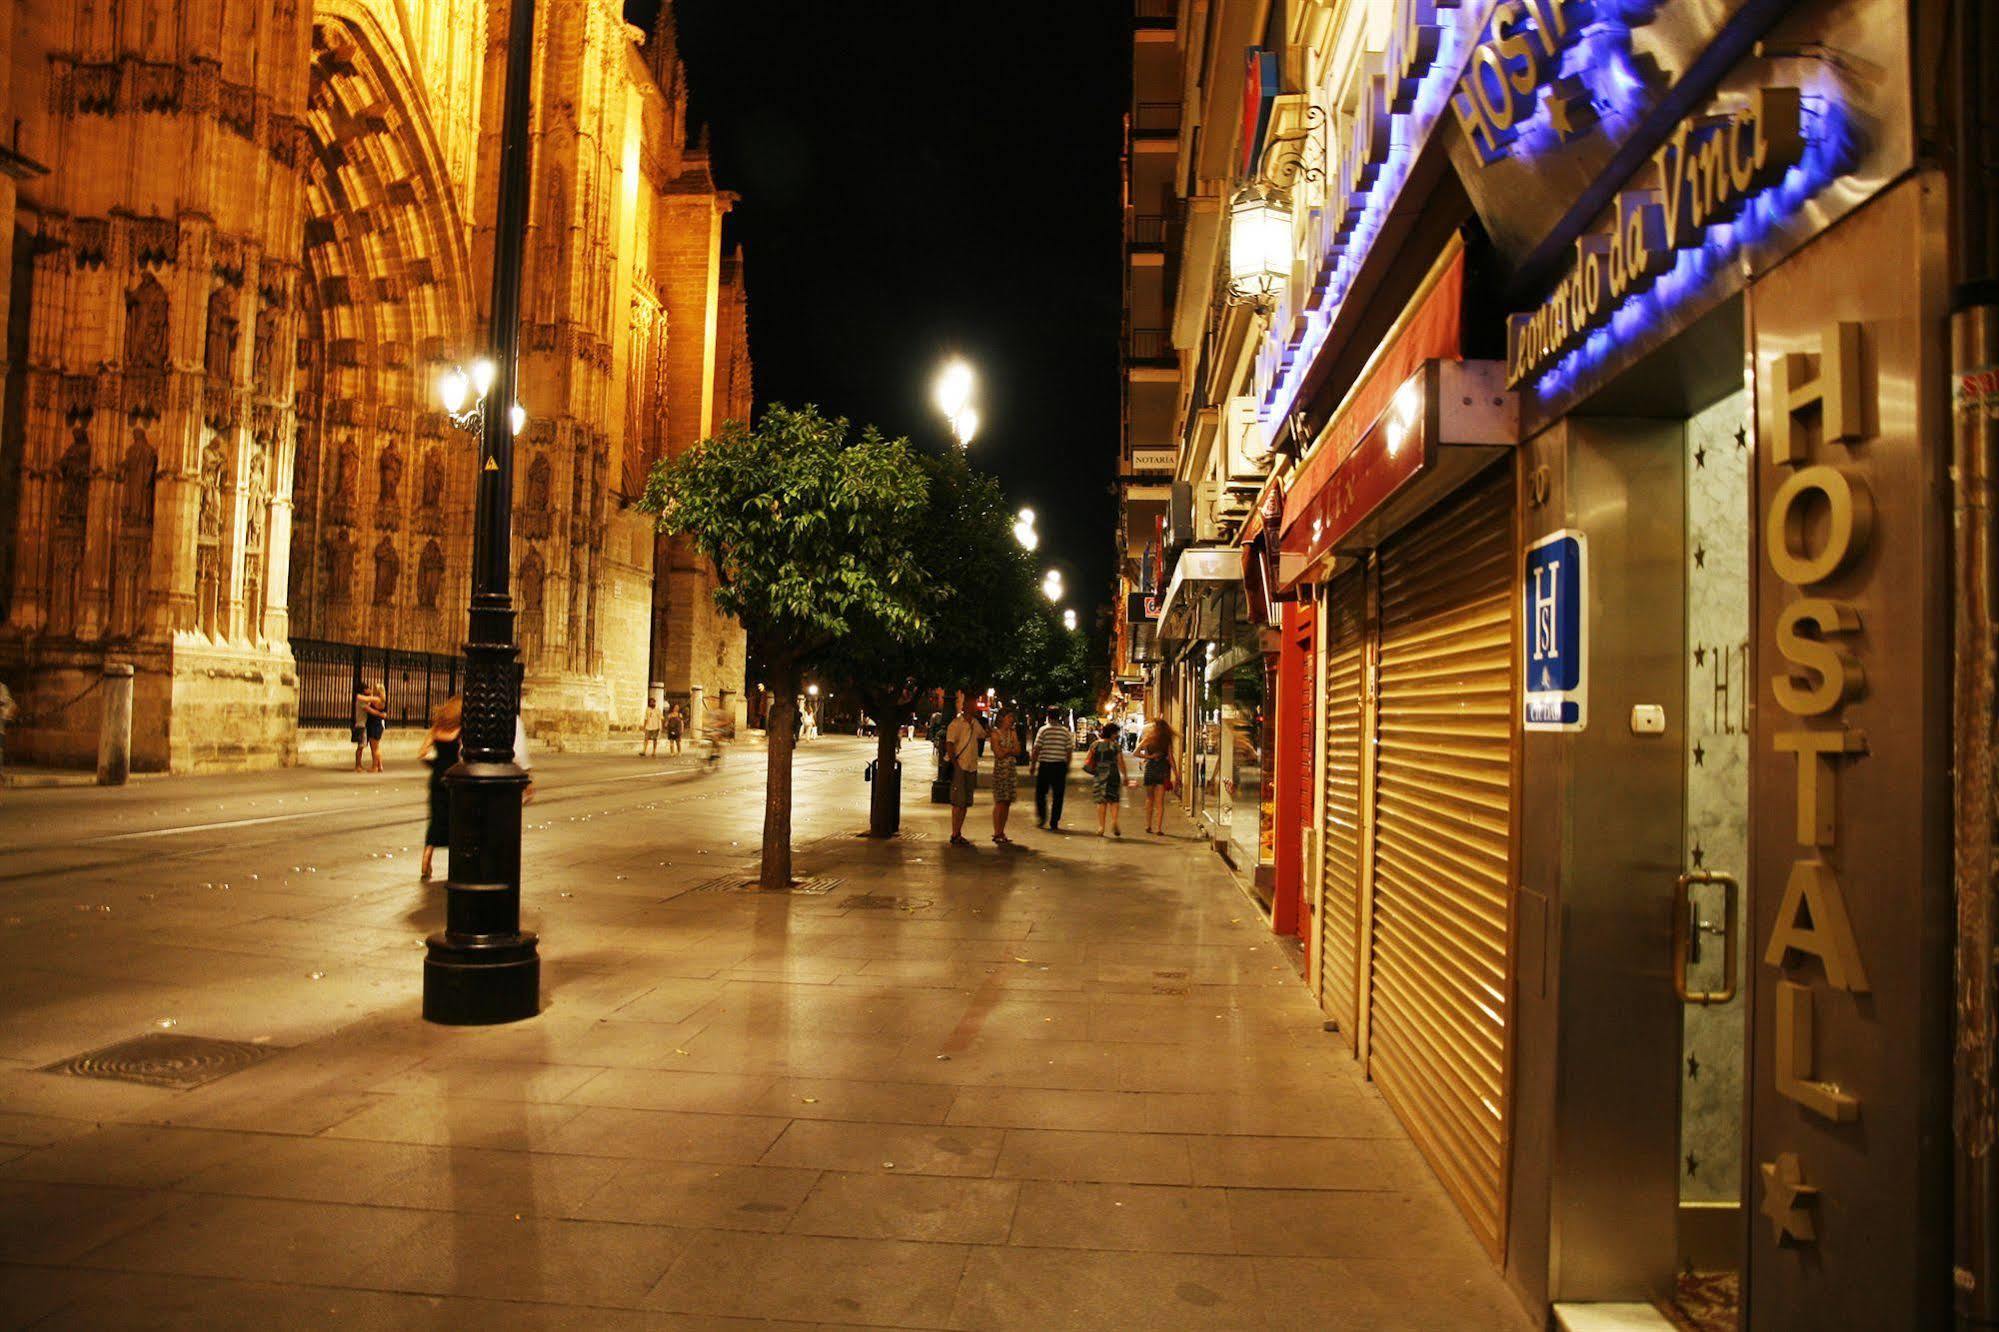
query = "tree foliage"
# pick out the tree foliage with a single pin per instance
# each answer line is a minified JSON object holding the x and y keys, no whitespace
{"x":977,"y":593}
{"x":812,"y":532}
{"x":807,"y":525}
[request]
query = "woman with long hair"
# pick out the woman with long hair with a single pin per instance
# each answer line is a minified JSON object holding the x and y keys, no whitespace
{"x":1155,"y":747}
{"x":440,"y":750}
{"x":1005,"y":748}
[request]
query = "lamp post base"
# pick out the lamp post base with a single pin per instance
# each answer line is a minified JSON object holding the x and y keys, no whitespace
{"x":481,"y":980}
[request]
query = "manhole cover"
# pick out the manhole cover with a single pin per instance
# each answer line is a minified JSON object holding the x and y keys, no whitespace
{"x":882,"y":902}
{"x":736,"y":883}
{"x":162,"y":1060}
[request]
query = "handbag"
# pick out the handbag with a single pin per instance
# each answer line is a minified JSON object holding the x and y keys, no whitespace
{"x":1090,"y":760}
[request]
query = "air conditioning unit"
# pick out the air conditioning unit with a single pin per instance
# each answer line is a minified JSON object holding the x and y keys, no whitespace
{"x":1248,"y":445}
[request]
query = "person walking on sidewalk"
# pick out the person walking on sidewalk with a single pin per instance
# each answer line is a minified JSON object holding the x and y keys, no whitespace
{"x":440,"y":750}
{"x":1105,"y":764}
{"x":1155,"y":750}
{"x":676,"y":725}
{"x":1053,"y":744}
{"x":649,"y":728}
{"x":962,"y":740}
{"x":1006,"y":773}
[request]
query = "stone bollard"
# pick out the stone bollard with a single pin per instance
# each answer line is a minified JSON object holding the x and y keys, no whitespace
{"x":696,"y":696}
{"x":114,"y":732}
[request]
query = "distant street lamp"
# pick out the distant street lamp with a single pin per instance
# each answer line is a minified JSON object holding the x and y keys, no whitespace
{"x":1069,"y":618}
{"x":1023,"y":530}
{"x":1051,"y":585}
{"x":482,"y":968}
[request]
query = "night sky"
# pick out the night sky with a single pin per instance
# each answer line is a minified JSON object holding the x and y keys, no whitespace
{"x":926,"y":178}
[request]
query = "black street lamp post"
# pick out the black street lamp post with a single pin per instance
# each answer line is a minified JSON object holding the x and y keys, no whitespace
{"x":483,"y":968}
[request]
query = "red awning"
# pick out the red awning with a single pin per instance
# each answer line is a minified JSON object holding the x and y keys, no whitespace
{"x":1432,"y":331}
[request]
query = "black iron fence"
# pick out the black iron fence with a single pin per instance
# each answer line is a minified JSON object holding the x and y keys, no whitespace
{"x":331,"y":674}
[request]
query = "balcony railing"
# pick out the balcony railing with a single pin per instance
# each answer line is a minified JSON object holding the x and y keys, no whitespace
{"x":1159,"y":118}
{"x":1153,"y":230}
{"x":1154,"y":11}
{"x":1150,"y":344}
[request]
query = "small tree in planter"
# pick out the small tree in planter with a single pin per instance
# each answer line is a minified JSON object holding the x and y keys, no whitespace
{"x":810,"y":530}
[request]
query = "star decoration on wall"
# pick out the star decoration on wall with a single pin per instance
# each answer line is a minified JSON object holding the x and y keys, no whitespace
{"x":1569,"y":117}
{"x":1693,"y":1066}
{"x":1788,"y":1201}
{"x":1700,"y":557}
{"x":1741,"y":438}
{"x":1700,"y":656}
{"x":1700,"y":856}
{"x":1700,"y":456}
{"x":1693,"y":1165}
{"x":1699,"y":755}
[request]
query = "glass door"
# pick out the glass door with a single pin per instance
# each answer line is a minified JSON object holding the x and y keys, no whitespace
{"x":1711,"y":905}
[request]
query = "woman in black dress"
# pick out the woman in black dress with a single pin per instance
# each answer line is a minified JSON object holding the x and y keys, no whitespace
{"x":441,"y":752}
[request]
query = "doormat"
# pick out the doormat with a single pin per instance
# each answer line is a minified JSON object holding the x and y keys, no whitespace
{"x":1706,"y":1301}
{"x":159,"y":1059}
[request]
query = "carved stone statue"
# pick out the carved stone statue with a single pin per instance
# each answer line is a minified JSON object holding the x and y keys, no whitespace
{"x":219,"y":348}
{"x":146,"y":332}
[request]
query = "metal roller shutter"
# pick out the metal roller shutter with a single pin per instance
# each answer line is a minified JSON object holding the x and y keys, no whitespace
{"x":1339,"y":844}
{"x":1442,"y":852}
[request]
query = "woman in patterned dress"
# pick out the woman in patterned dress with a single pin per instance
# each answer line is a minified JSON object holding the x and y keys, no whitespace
{"x":1105,"y":765}
{"x":1005,"y":749}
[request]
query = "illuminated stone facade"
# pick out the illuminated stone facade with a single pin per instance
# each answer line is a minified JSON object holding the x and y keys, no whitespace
{"x":247,"y":234}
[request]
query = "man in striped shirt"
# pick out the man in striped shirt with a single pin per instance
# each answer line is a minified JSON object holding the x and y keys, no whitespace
{"x":1053,"y":744}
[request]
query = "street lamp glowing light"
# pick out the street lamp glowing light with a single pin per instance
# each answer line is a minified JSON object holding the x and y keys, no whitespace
{"x":452,"y":389}
{"x":1069,"y":618}
{"x":964,"y":425}
{"x":1051,"y":585}
{"x":812,"y":690}
{"x":484,"y":372}
{"x":1024,"y":533}
{"x":1026,"y":516}
{"x":954,"y":390}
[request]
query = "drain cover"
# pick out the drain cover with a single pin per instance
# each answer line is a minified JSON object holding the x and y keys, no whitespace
{"x":162,"y":1060}
{"x":735,"y":883}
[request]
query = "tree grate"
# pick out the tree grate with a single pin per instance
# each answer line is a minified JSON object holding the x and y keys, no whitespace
{"x":816,"y":886}
{"x":158,"y":1059}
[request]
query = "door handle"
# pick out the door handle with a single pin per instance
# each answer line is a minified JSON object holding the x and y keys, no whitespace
{"x":1682,"y":934}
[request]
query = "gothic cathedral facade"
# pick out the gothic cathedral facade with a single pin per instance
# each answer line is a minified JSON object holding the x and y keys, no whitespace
{"x":239,"y":241}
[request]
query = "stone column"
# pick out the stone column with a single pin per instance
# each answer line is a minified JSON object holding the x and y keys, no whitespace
{"x":694,"y":704}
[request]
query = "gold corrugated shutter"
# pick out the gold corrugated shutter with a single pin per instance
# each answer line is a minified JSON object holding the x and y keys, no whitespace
{"x":1339,"y":908}
{"x":1443,"y":863}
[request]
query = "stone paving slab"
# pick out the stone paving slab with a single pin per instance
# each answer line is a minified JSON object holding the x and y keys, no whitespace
{"x":1072,"y":1085}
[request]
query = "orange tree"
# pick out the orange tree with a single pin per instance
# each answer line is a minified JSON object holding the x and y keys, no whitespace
{"x":976,"y":598}
{"x":810,"y":528}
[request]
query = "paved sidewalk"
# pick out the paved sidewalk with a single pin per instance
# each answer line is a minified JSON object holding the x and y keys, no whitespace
{"x":1069,"y":1085}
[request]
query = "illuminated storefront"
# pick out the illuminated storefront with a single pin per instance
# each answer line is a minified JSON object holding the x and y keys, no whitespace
{"x":1607,"y":768}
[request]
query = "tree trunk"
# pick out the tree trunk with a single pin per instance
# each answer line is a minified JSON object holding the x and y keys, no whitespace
{"x":776,"y":871}
{"x":887,"y":795}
